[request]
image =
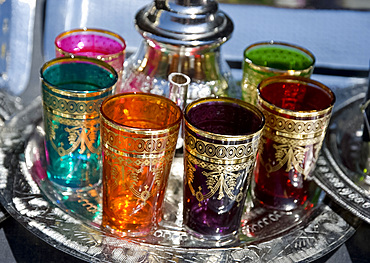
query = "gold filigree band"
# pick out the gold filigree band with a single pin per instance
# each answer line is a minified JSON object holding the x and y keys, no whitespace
{"x":127,"y":145}
{"x":219,"y":153}
{"x":151,"y":132}
{"x":71,"y":108}
{"x":298,"y":129}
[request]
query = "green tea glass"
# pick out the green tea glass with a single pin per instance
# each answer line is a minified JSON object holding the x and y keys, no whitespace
{"x":266,"y":59}
{"x":72,"y":92}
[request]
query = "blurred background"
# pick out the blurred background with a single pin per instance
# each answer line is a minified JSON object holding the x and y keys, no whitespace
{"x":337,"y":32}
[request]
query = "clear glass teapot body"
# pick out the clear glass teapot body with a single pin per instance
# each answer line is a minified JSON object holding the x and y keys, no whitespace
{"x":148,"y":69}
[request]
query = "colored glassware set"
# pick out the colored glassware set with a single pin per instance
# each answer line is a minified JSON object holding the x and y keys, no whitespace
{"x":99,"y":130}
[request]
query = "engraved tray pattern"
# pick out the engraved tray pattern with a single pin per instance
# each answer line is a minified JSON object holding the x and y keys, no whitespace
{"x":267,"y":236}
{"x":338,"y":170}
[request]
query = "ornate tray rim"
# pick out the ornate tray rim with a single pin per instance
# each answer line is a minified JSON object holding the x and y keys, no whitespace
{"x":307,"y":243}
{"x":332,"y":176}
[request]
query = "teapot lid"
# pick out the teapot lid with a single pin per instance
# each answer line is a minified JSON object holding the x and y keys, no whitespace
{"x":184,"y":22}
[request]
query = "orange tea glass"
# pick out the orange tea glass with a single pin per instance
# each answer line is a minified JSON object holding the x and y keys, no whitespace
{"x":139,"y":135}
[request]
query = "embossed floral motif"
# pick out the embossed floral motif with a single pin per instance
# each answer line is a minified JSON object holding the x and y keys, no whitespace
{"x":220,"y":178}
{"x":134,"y":174}
{"x":82,"y":134}
{"x":133,"y":168}
{"x":292,"y":153}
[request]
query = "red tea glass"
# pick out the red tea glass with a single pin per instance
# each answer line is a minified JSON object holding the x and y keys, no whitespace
{"x":139,"y":134}
{"x":95,"y":43}
{"x":297,"y":112}
{"x":221,"y":143}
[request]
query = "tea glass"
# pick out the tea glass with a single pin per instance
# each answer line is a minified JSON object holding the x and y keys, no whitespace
{"x":267,"y":59}
{"x":297,"y":112}
{"x":72,"y":91}
{"x":221,"y":143}
{"x":94,"y":43}
{"x":139,"y":135}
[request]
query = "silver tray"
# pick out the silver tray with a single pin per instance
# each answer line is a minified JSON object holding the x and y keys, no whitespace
{"x":339,"y":171}
{"x":72,"y":223}
{"x":3,"y":215}
{"x":9,"y":105}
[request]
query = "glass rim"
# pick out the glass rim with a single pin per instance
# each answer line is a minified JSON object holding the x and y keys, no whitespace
{"x":152,"y":131}
{"x":173,"y":75}
{"x":84,"y":30}
{"x":295,"y":79}
{"x":280,"y":71}
{"x":222,"y":137}
{"x":76,"y":60}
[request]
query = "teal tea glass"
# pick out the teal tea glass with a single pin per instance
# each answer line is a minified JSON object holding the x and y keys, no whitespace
{"x":267,"y":59}
{"x":72,"y":92}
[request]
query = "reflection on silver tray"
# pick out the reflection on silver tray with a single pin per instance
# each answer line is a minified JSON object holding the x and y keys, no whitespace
{"x":343,"y":178}
{"x":9,"y":105}
{"x":71,"y":222}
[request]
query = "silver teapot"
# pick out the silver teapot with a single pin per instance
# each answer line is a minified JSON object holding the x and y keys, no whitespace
{"x":181,"y":36}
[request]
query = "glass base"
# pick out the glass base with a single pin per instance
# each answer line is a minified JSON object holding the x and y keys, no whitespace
{"x":277,"y":203}
{"x":214,"y":240}
{"x":73,"y":189}
{"x":74,"y":172}
{"x":287,"y":204}
{"x":129,"y":233}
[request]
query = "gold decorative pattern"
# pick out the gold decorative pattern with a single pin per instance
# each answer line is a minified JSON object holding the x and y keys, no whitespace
{"x":218,"y":153}
{"x":82,"y":134}
{"x":125,"y":145}
{"x":296,"y":128}
{"x":71,"y":108}
{"x":134,"y":167}
{"x":293,"y":141}
{"x":224,"y":166}
{"x":220,"y":178}
{"x":78,"y":117}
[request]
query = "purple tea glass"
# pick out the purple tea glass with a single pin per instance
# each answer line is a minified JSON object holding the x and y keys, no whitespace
{"x":221,"y":143}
